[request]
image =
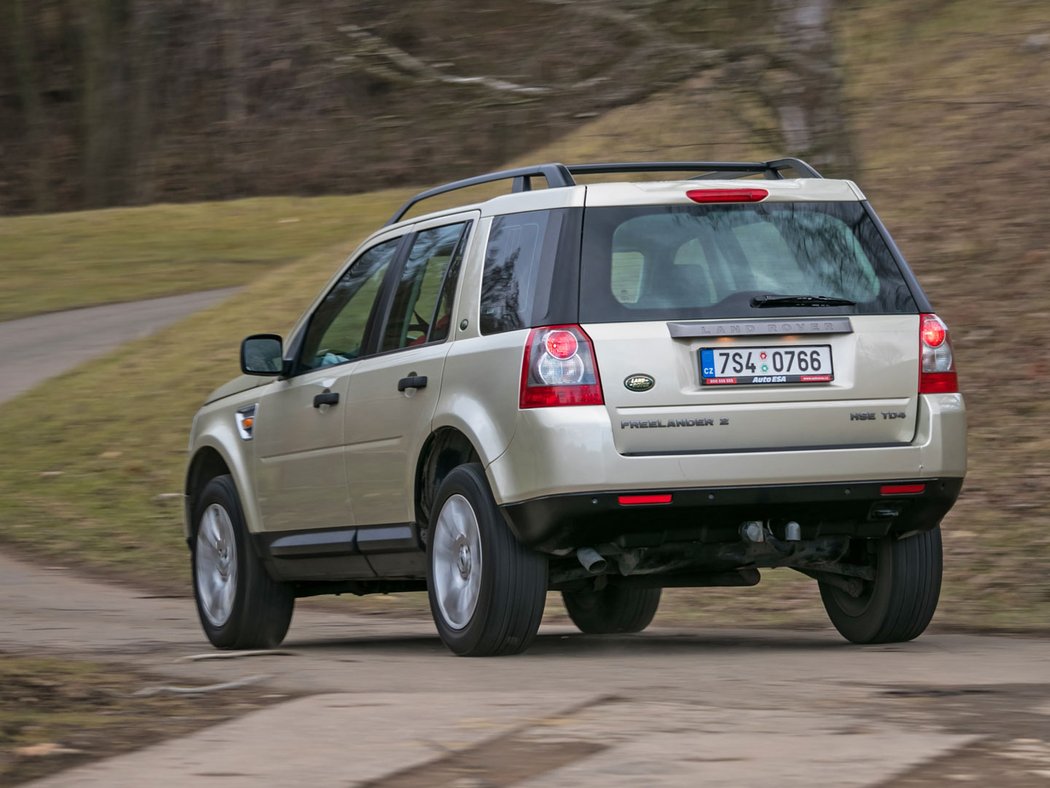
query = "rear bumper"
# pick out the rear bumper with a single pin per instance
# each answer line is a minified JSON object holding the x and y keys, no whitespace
{"x":568,"y":455}
{"x":566,"y":450}
{"x":714,"y":514}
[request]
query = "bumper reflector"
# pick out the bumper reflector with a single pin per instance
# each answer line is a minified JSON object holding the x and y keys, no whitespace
{"x":640,"y":500}
{"x":902,"y":489}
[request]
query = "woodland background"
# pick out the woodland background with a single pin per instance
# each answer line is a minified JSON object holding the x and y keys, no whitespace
{"x":124,"y":102}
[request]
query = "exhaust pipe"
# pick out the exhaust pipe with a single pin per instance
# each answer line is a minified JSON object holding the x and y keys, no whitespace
{"x":591,"y":560}
{"x":753,"y":531}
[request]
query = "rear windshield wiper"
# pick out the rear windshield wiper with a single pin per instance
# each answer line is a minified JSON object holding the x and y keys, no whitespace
{"x":765,"y":301}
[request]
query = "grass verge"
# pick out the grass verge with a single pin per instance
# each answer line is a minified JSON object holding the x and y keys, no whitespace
{"x":70,"y":260}
{"x":96,"y":478}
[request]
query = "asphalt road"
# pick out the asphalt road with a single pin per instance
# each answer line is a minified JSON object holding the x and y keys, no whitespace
{"x":34,"y":349}
{"x":380,"y":702}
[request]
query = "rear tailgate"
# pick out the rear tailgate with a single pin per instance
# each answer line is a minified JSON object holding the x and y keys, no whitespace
{"x":786,"y":292}
{"x":871,"y":399}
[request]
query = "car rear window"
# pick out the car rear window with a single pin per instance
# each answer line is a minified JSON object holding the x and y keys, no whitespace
{"x":686,"y":261}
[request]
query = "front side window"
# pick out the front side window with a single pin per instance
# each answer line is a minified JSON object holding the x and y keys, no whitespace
{"x":336,"y":333}
{"x":422,"y":307}
{"x":684,"y":261}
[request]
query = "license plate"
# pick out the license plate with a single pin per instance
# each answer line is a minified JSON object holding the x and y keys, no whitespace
{"x":751,"y":366}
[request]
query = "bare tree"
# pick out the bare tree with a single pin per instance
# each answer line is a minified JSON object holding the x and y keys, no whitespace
{"x":143,"y":48}
{"x":653,"y":58}
{"x":29,"y":96}
{"x":102,"y":102}
{"x":808,"y":95}
{"x":796,"y":72}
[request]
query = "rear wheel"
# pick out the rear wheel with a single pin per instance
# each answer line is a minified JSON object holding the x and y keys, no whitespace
{"x":486,"y":590}
{"x":899,"y":602}
{"x":239,"y":604}
{"x":614,"y":609}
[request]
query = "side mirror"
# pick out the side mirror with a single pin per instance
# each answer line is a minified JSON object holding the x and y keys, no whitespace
{"x":261,"y":354}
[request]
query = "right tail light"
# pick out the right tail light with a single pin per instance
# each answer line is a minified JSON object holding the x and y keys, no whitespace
{"x":937,"y":363}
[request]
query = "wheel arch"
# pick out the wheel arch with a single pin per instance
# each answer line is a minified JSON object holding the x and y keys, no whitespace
{"x":209,"y":461}
{"x":444,"y":449}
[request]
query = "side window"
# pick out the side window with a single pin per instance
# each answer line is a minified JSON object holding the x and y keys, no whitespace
{"x":422,"y":305}
{"x":337,"y":328}
{"x":511,"y":268}
{"x":442,"y":324}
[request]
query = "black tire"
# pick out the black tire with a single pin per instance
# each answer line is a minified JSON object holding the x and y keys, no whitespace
{"x":898,"y":604}
{"x":261,"y":608}
{"x":512,"y":581}
{"x":614,"y":609}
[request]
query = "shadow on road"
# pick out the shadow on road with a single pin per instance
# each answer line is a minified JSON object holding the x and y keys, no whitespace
{"x":578,"y":645}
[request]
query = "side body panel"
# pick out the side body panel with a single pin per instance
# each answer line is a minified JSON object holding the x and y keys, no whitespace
{"x":300,"y":470}
{"x":386,"y":426}
{"x":480,"y":398}
{"x":381,"y":431}
{"x":215,"y":428}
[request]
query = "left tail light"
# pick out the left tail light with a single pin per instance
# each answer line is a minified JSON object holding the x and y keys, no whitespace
{"x":559,"y":369}
{"x":937,"y":373}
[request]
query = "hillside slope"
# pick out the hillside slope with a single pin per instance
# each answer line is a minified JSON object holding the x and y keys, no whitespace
{"x":62,"y":261}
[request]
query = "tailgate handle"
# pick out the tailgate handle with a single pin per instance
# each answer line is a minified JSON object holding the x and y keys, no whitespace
{"x":412,"y":382}
{"x":326,"y":398}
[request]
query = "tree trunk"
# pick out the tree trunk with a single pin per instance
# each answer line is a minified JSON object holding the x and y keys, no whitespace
{"x":809,"y":101}
{"x":144,"y":43}
{"x":233,"y":23}
{"x":29,"y":97}
{"x":103,"y":115}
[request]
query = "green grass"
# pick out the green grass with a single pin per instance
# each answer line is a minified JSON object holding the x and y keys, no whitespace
{"x":931,"y":85}
{"x":64,"y":261}
{"x":86,"y":477}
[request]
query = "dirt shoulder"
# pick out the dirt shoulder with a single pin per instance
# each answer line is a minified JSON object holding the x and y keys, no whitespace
{"x":57,"y":713}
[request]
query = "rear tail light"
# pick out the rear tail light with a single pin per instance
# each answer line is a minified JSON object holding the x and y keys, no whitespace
{"x":937,"y":374}
{"x":559,"y":369}
{"x":726,"y":195}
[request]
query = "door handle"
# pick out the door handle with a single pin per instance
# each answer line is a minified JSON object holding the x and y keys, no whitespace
{"x":326,"y":398}
{"x":412,"y":382}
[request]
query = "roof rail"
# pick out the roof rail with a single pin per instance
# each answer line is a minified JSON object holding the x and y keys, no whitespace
{"x":557,"y":175}
{"x":791,"y":163}
{"x":560,"y":175}
{"x":711,"y":169}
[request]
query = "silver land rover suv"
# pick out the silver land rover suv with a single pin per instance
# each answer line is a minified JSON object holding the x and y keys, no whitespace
{"x":600,"y":389}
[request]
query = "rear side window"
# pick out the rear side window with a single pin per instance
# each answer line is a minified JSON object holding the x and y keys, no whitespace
{"x":422,"y":306}
{"x":519,"y":266}
{"x":684,"y":261}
